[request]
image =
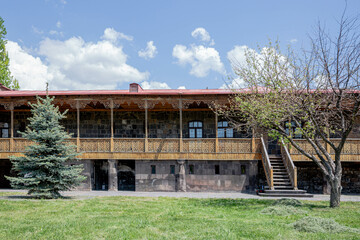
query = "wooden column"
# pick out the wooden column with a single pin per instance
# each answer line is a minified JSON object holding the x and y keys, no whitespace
{"x":146,"y":126}
{"x":78,"y":125}
{"x":181,"y":126}
{"x":216,"y":133}
{"x":11,"y":127}
{"x":112,"y":125}
{"x":253,"y":147}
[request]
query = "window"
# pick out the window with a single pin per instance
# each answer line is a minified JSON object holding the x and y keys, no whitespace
{"x":172,"y":169}
{"x":153,"y":169}
{"x":243,"y":169}
{"x":4,"y":130}
{"x":191,"y":169}
{"x":224,"y":131}
{"x":195,"y":129}
{"x":217,"y":169}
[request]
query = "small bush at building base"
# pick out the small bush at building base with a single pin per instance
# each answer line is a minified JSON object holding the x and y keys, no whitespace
{"x":316,"y":224}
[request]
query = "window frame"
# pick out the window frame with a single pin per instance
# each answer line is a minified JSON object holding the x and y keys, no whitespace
{"x":225,"y":129}
{"x":195,"y":128}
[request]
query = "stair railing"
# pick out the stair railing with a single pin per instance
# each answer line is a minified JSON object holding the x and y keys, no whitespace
{"x":289,"y":164}
{"x":269,"y":172}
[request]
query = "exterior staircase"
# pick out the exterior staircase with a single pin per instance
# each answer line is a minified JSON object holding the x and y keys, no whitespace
{"x":281,"y":175}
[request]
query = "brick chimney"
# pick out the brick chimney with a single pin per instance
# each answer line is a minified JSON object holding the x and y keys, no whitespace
{"x":134,"y":87}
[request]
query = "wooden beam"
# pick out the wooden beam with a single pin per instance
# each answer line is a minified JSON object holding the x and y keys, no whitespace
{"x":78,"y":125}
{"x":181,"y":126}
{"x":146,"y":126}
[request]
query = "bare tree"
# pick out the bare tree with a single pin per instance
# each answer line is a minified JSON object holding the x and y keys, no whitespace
{"x":316,"y":96}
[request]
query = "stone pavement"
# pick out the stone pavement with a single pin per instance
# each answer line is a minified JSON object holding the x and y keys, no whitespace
{"x":233,"y":195}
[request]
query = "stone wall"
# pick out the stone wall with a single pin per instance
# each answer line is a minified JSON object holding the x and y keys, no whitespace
{"x":70,"y":123}
{"x":95,"y":124}
{"x":129,"y":124}
{"x":87,"y":166}
{"x":203,"y":178}
{"x":164,"y":124}
{"x":351,"y":177}
{"x":311,"y":179}
{"x":161,"y":181}
{"x":20,"y":122}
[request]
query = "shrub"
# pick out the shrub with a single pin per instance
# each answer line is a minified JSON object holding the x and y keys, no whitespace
{"x":316,"y":224}
{"x":282,"y":210}
{"x":288,"y":202}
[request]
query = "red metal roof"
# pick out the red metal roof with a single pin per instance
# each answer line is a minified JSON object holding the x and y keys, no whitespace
{"x":117,"y":92}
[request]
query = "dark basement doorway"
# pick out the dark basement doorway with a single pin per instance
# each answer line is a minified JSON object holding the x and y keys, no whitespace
{"x":5,"y":170}
{"x":126,"y":175}
{"x":100,"y":175}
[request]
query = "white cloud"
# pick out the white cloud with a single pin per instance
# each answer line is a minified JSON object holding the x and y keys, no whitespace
{"x":36,"y":30}
{"x":202,"y":59}
{"x":112,"y":35}
{"x":236,"y":83}
{"x":181,"y":87}
{"x":73,"y":64}
{"x":149,"y":52}
{"x":56,"y":33}
{"x":294,"y":40}
{"x":30,"y":71}
{"x":203,"y":35}
{"x":77,"y":64}
{"x":58,"y":24}
{"x":154,"y":85}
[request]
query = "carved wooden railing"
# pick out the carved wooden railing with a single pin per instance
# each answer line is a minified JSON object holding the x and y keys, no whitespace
{"x":204,"y":145}
{"x":269,"y":172}
{"x":289,"y":164}
{"x":134,"y":145}
{"x":351,"y":146}
{"x":137,"y":145}
{"x":95,"y":145}
{"x":164,"y":145}
{"x":235,"y":145}
{"x":4,"y":144}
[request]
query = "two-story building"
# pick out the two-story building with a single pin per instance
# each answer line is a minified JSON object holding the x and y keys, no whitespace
{"x":164,"y":140}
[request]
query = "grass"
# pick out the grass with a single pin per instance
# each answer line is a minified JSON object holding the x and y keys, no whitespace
{"x":165,"y":218}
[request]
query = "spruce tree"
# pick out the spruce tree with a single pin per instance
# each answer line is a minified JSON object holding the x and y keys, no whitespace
{"x":43,"y":170}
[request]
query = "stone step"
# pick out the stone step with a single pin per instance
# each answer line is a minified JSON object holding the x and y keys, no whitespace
{"x":305,"y":195}
{"x":286,"y":191}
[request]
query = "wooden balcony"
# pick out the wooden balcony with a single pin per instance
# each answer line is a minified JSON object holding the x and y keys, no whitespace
{"x":350,"y":152}
{"x":151,"y":148}
{"x":174,"y":148}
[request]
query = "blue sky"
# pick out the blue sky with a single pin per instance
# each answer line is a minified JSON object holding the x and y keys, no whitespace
{"x":160,"y":44}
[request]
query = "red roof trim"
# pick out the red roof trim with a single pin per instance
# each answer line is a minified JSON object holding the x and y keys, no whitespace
{"x":118,"y":92}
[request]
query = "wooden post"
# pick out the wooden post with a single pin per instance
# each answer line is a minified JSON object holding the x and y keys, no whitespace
{"x":216,"y":133}
{"x":253,"y":147}
{"x":146,"y":126}
{"x":181,"y":126}
{"x":11,"y":127}
{"x":112,"y":125}
{"x":78,"y":125}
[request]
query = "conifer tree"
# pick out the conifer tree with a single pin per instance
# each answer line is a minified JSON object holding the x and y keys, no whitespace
{"x":43,"y":170}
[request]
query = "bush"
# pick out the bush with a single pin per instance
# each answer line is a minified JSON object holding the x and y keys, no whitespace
{"x":282,"y":210}
{"x":316,"y":224}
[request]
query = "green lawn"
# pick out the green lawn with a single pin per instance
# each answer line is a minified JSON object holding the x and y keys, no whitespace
{"x":163,"y":218}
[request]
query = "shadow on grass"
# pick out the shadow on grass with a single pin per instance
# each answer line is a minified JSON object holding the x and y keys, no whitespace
{"x":27,"y":197}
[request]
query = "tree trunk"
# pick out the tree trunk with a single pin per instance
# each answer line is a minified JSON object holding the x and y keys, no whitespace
{"x":335,"y":192}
